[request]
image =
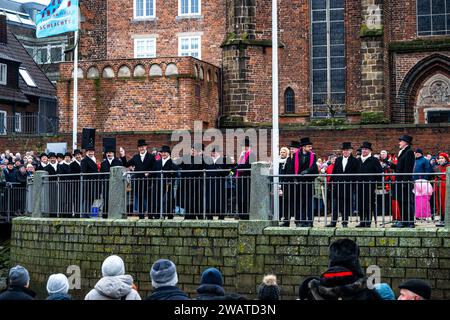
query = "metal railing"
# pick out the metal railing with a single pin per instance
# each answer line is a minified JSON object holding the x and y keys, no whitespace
{"x":75,"y":195}
{"x":370,"y":199}
{"x":12,"y":201}
{"x":192,"y":194}
{"x":28,"y":125}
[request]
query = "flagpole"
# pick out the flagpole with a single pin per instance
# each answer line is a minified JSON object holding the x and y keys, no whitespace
{"x":75,"y":94}
{"x":275,"y":134}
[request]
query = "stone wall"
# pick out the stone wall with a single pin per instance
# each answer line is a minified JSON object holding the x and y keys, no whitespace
{"x":243,"y":250}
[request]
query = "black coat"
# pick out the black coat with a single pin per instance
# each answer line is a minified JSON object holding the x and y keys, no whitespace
{"x":75,"y":167}
{"x":10,"y":175}
{"x":210,"y":292}
{"x":405,"y":164}
{"x":64,"y":168}
{"x":371,"y":165}
{"x":146,"y":165}
{"x":304,"y":165}
{"x":167,"y":293}
{"x":353,"y":166}
{"x":88,"y":166}
{"x":17,"y":293}
{"x":247,"y":165}
{"x":106,"y":167}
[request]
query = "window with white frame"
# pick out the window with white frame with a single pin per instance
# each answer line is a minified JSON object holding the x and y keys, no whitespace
{"x":189,"y":46}
{"x":189,"y":7}
{"x":18,"y":122}
{"x":3,"y":115}
{"x":145,"y":48}
{"x":433,"y":17}
{"x":144,"y":9}
{"x":3,"y":73}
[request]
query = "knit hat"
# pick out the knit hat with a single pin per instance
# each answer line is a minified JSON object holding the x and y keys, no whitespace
{"x":384,"y":291}
{"x":164,"y":274}
{"x":345,"y":253}
{"x":113,"y":266}
{"x":212,"y":276}
{"x":57,"y":283}
{"x":18,"y":276}
{"x":268,"y":289}
{"x":417,"y":286}
{"x":444,"y":155}
{"x":418,"y":150}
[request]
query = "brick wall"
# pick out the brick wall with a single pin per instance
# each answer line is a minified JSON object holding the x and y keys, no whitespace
{"x":243,"y":250}
{"x":93,"y":29}
{"x":141,"y":102}
{"x":431,"y":138}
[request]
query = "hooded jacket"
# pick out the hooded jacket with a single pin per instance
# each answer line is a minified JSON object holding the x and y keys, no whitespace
{"x":114,"y":288}
{"x":167,"y":293}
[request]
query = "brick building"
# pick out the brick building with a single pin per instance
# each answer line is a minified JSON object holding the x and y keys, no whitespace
{"x":367,"y":61}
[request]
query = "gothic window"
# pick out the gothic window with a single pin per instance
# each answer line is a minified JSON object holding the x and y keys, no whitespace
{"x":289,"y":101}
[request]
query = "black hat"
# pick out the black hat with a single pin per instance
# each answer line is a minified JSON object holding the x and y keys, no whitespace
{"x":366,"y":145}
{"x":247,"y":142}
{"x":417,"y":286}
{"x":358,"y":151}
{"x":51,"y":155}
{"x":165,"y":149}
{"x":268,"y":289}
{"x":303,"y":291}
{"x":59,"y":155}
{"x":345,"y":253}
{"x":91,"y":147}
{"x":141,"y":143}
{"x":110,"y":148}
{"x":295,"y":144}
{"x":67,"y":154}
{"x":305,"y":142}
{"x":406,"y":138}
{"x":418,"y":150}
{"x":43,"y":154}
{"x":346,"y":145}
{"x":77,"y":151}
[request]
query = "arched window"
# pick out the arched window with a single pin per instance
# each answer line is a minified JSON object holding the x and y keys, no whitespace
{"x":289,"y":101}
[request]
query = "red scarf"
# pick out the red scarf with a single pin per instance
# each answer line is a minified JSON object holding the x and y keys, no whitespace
{"x":243,"y":160}
{"x":297,"y":164}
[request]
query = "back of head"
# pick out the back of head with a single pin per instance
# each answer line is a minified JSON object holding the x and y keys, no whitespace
{"x":57,"y":284}
{"x":268,"y":289}
{"x":18,"y":276}
{"x":345,"y":253}
{"x":417,"y":286}
{"x":163,"y":274}
{"x":113,"y":266}
{"x":212,"y":276}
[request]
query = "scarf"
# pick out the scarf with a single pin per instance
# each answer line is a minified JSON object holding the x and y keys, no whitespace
{"x":296,"y":161}
{"x":243,"y":159}
{"x":363,"y":159}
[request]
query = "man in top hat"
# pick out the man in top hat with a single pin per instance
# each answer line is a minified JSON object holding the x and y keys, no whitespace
{"x":163,"y":199}
{"x":305,"y":163}
{"x":64,"y":166}
{"x":65,"y":188}
{"x":59,"y":157}
{"x":344,"y":185}
{"x":402,"y":188}
{"x":91,"y":188}
{"x":242,"y":175}
{"x":367,"y":186}
{"x":111,"y":160}
{"x":75,"y":170}
{"x":43,"y":162}
{"x":190,"y":194}
{"x":143,"y":162}
{"x":216,"y":192}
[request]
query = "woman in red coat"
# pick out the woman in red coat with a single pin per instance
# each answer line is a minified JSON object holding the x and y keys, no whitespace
{"x":439,"y":189}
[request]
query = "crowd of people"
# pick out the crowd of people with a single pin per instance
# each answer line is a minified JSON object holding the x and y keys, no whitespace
{"x":347,"y":184}
{"x":412,"y":187}
{"x":344,"y":279}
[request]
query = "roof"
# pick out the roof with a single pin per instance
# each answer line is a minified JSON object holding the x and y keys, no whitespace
{"x":11,"y":5}
{"x":14,"y":49}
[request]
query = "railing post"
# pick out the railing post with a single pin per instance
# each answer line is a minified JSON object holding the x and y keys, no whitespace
{"x":260,"y":191}
{"x":447,"y":199}
{"x":40,"y":196}
{"x":117,"y":193}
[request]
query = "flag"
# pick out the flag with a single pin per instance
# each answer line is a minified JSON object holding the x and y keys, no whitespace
{"x":60,"y":16}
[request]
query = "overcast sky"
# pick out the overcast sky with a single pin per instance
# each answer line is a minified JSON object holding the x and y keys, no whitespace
{"x":38,"y":1}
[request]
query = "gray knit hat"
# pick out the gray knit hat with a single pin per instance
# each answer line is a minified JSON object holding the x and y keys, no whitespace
{"x":18,"y":276}
{"x":57,"y":283}
{"x":163,"y":274}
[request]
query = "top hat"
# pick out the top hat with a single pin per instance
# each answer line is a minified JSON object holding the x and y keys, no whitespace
{"x":90,"y":148}
{"x":110,"y":149}
{"x":305,"y":142}
{"x":76,"y":151}
{"x":165,"y":149}
{"x":51,"y":155}
{"x":295,"y":144}
{"x":141,"y":143}
{"x":346,"y":145}
{"x":67,"y":154}
{"x":366,"y":145}
{"x":59,"y":155}
{"x":43,"y":154}
{"x":406,"y":138}
{"x":247,"y":142}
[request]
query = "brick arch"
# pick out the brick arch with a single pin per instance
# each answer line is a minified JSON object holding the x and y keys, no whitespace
{"x":403,"y":111}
